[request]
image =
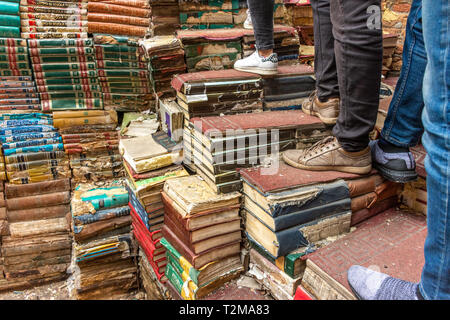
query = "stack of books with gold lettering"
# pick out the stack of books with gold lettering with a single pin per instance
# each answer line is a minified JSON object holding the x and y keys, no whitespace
{"x":202,"y":236}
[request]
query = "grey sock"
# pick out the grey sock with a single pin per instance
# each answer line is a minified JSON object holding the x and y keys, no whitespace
{"x":371,"y":285}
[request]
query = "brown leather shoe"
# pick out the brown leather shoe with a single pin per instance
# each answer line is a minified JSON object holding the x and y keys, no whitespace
{"x":328,"y":154}
{"x":327,"y":111}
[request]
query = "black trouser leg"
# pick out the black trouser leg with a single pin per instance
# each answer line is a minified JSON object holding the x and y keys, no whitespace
{"x":262,"y":19}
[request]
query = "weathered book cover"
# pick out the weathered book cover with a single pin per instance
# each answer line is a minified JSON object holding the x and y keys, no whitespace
{"x":391,"y":242}
{"x":40,"y":188}
{"x":47,"y":212}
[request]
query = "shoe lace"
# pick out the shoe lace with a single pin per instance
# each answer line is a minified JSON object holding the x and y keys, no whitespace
{"x":318,"y":147}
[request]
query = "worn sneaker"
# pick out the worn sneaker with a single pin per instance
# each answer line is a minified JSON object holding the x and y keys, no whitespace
{"x":327,"y":111}
{"x":257,"y":64}
{"x":248,"y":22}
{"x":397,"y":166}
{"x":328,"y":154}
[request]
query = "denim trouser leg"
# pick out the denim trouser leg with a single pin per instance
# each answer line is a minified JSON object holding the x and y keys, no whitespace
{"x":324,"y":61}
{"x":435,"y":280}
{"x":358,"y":48}
{"x":262,"y":19}
{"x":403,"y":126}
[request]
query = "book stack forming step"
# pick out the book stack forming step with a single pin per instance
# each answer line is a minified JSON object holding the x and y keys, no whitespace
{"x":9,"y":19}
{"x":149,"y":161}
{"x":202,"y":236}
{"x":166,"y":59}
{"x":66,"y":73}
{"x":123,"y":73}
{"x":4,"y":230}
{"x":222,"y":144}
{"x":211,"y":49}
{"x":17,"y":88}
{"x":91,"y":142}
{"x":287,"y":213}
{"x":165,"y":19}
{"x":119,"y":17}
{"x":289,"y":88}
{"x":213,"y":93}
{"x":286,"y":44}
{"x":103,"y":259}
{"x":38,"y":247}
{"x":54,"y":19}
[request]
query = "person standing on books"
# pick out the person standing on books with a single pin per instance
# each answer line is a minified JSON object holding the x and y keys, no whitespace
{"x":425,"y":57}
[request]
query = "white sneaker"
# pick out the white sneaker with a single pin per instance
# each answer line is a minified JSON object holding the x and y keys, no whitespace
{"x":248,"y":22}
{"x":257,"y":64}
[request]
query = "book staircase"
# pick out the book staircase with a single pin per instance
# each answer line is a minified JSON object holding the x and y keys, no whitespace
{"x":189,"y":196}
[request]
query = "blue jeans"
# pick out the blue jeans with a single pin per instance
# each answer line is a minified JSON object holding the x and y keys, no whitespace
{"x":435,"y":280}
{"x":403,"y":126}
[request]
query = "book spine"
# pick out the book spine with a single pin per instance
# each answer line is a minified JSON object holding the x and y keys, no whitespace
{"x":53,"y":23}
{"x":84,"y":232}
{"x":71,"y":104}
{"x":115,"y":28}
{"x":101,"y":215}
{"x":34,"y":156}
{"x":51,"y":199}
{"x":14,"y":191}
{"x":9,"y":8}
{"x":53,"y":10}
{"x":55,"y":4}
{"x":64,"y":67}
{"x":54,"y":35}
{"x":52,"y":17}
{"x":96,"y":7}
{"x":38,"y":213}
{"x":119,"y":19}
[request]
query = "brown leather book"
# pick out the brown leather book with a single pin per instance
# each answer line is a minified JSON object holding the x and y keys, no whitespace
{"x":3,"y":214}
{"x":93,"y":229}
{"x":364,"y":185}
{"x":199,"y":260}
{"x":32,"y":245}
{"x":38,"y":188}
{"x":38,"y":201}
{"x":2,"y":200}
{"x":4,"y":229}
{"x":38,"y":213}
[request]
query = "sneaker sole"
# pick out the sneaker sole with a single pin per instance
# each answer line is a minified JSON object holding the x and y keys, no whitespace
{"x":401,"y":176}
{"x":317,"y":114}
{"x":347,"y":169}
{"x":257,"y":70}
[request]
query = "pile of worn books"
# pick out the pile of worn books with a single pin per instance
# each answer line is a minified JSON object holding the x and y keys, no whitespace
{"x":149,"y":162}
{"x":166,"y":59}
{"x":119,"y":17}
{"x":210,"y":14}
{"x":202,"y":237}
{"x":38,"y":247}
{"x":91,"y":141}
{"x":17,"y":88}
{"x":289,"y":88}
{"x":42,"y":19}
{"x":222,"y":144}
{"x":65,"y":72}
{"x":123,"y":73}
{"x":4,"y":231}
{"x":211,"y":49}
{"x":103,"y":260}
{"x":165,"y":18}
{"x":9,"y":19}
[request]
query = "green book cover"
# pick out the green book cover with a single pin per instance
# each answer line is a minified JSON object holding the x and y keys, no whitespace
{"x":14,"y":57}
{"x":67,"y":81}
{"x":74,"y":87}
{"x":62,"y":59}
{"x":11,"y":8}
{"x":65,"y":67}
{"x":42,"y":43}
{"x":61,"y":51}
{"x":66,"y":74}
{"x":9,"y":20}
{"x":70,"y":95}
{"x":9,"y":32}
{"x":9,"y":42}
{"x":18,"y":65}
{"x":13,"y":50}
{"x":110,"y":48}
{"x":23,"y":72}
{"x":72,"y":104}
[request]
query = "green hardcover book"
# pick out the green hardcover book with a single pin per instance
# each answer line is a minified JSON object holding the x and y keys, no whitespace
{"x":11,"y":8}
{"x":65,"y":74}
{"x":116,"y":48}
{"x":130,"y":84}
{"x":70,"y":95}
{"x":123,"y":73}
{"x":65,"y":67}
{"x":62,"y":59}
{"x":107,"y":64}
{"x":180,"y":260}
{"x":9,"y":20}
{"x":126,"y":90}
{"x":22,"y":72}
{"x":62,"y":87}
{"x":118,"y":56}
{"x":185,"y":288}
{"x":13,"y":50}
{"x":42,"y":43}
{"x":71,"y":104}
{"x":9,"y":32}
{"x":67,"y":81}
{"x":14,"y":57}
{"x":64,"y":51}
{"x":18,"y":66}
{"x":203,"y":49}
{"x":10,"y":42}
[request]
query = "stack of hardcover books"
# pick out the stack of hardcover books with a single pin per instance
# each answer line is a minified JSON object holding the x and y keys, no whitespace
{"x":17,"y":88}
{"x":4,"y":231}
{"x":65,"y":72}
{"x":9,"y":19}
{"x":222,"y":144}
{"x":289,"y":88}
{"x":119,"y":17}
{"x":149,"y":162}
{"x":211,"y":49}
{"x":103,"y":249}
{"x":123,"y":73}
{"x":38,"y":247}
{"x":165,"y":18}
{"x":209,"y":14}
{"x":166,"y":59}
{"x":91,"y":141}
{"x":33,"y":148}
{"x":286,"y":40}
{"x":202,"y":236}
{"x":42,"y":19}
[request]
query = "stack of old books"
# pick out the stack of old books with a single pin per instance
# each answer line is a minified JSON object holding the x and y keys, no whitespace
{"x":103,"y":250}
{"x":91,"y":141}
{"x":149,"y":162}
{"x":38,"y":247}
{"x":289,"y":87}
{"x":286,"y":44}
{"x":123,"y":73}
{"x":119,"y":17}
{"x":210,"y":14}
{"x":65,"y":72}
{"x":166,"y":59}
{"x":212,"y":93}
{"x":17,"y":88}
{"x":389,"y":45}
{"x":202,"y":236}
{"x":211,"y":49}
{"x":222,"y":144}
{"x":4,"y":231}
{"x":42,"y":19}
{"x":165,"y":18}
{"x":9,"y":19}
